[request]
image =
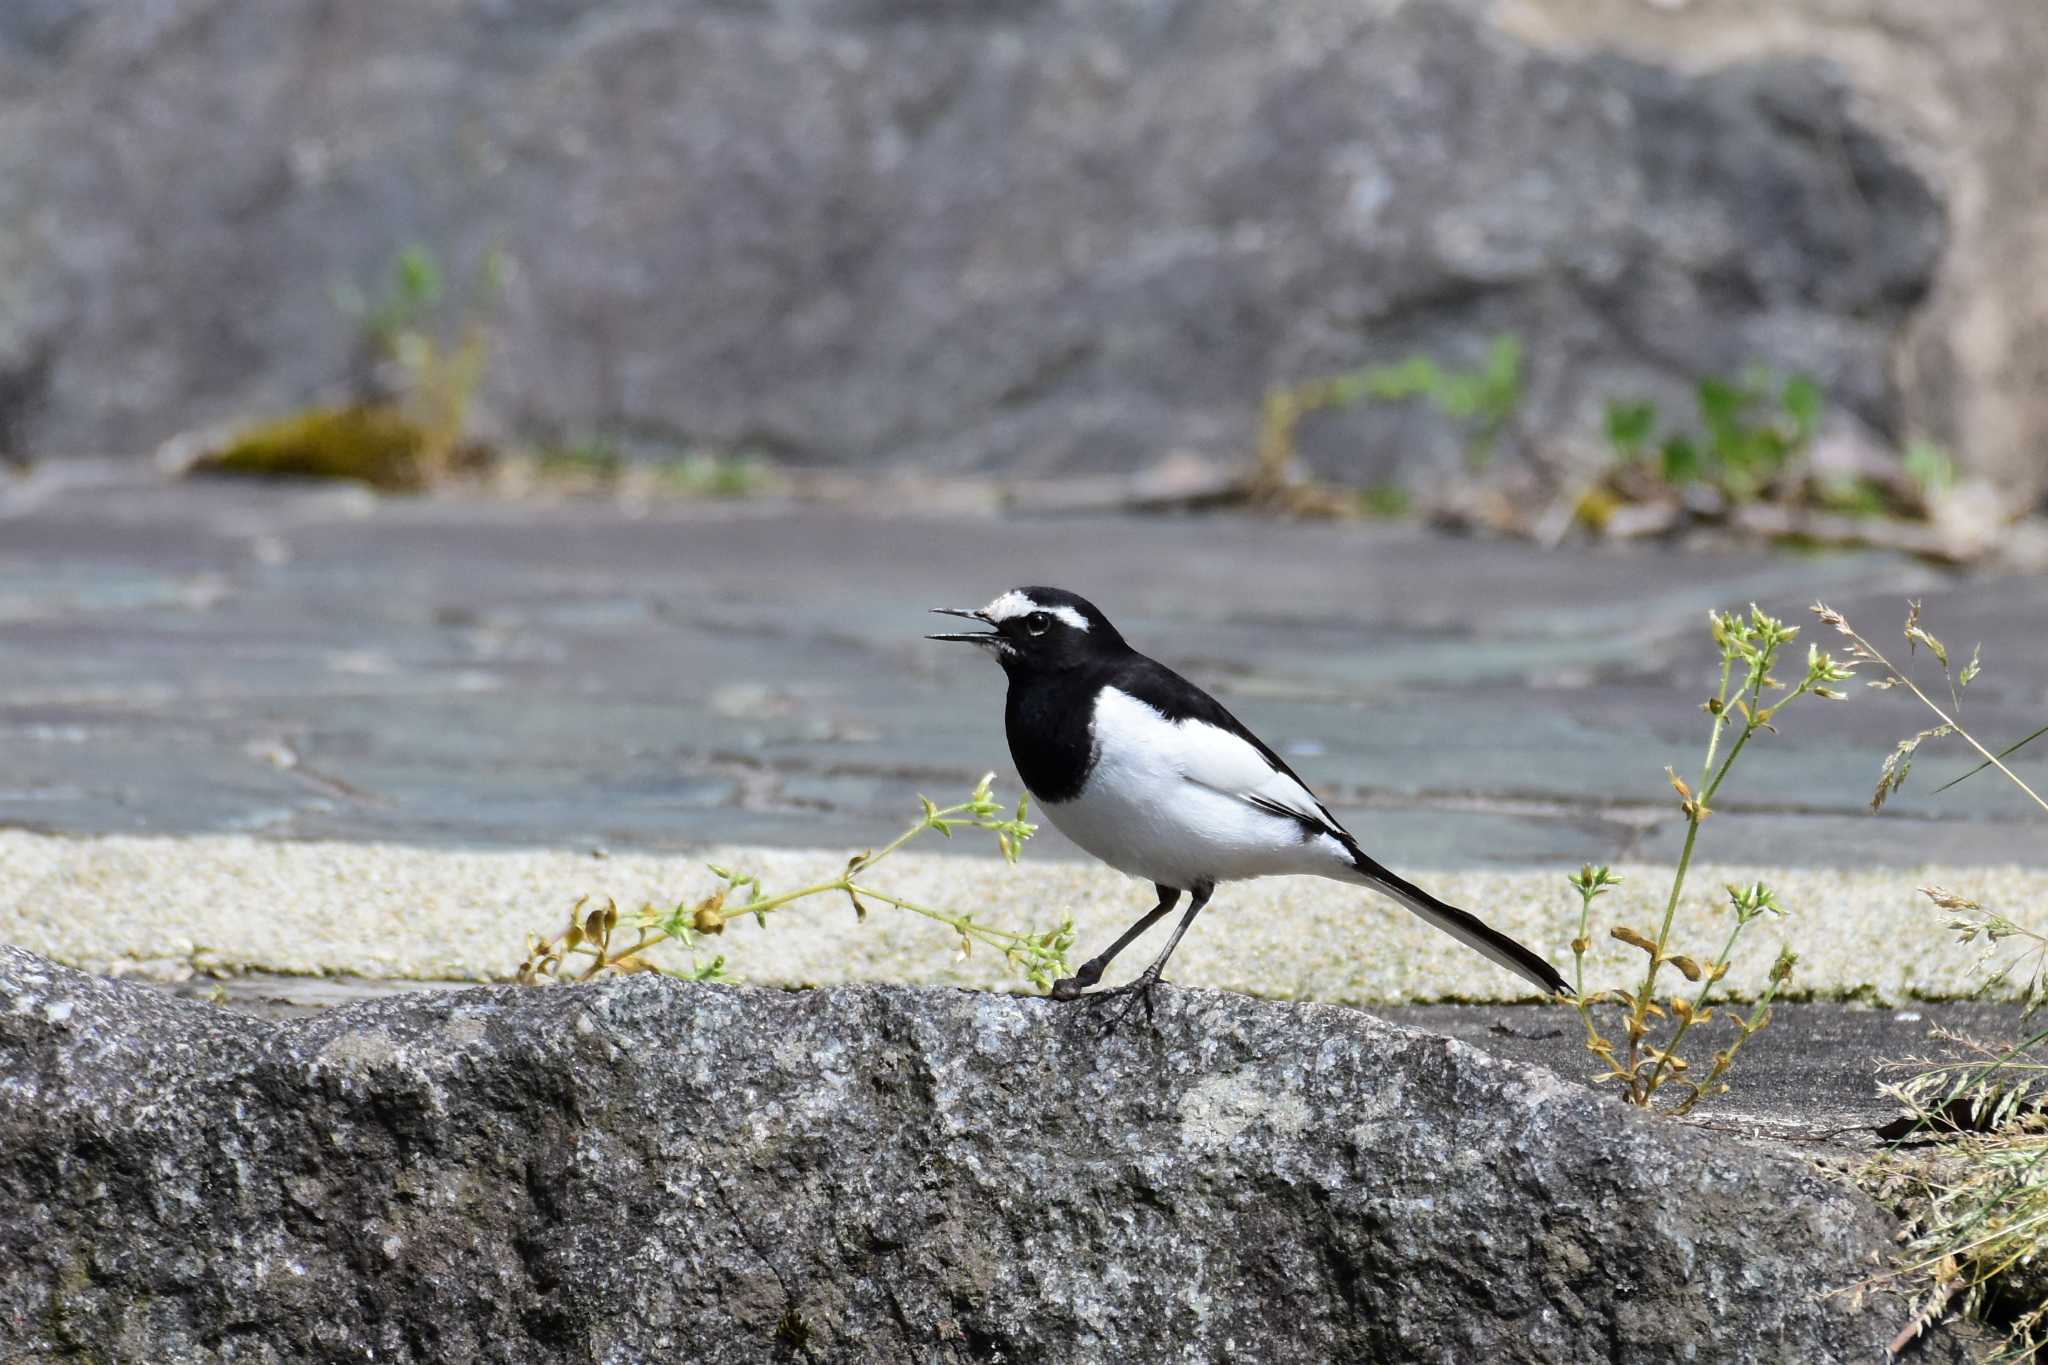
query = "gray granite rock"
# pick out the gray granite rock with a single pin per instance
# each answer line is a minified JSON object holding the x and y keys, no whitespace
{"x":1023,"y":236}
{"x":654,"y":1171}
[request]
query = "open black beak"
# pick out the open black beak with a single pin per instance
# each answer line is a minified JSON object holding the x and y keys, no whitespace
{"x":975,"y":637}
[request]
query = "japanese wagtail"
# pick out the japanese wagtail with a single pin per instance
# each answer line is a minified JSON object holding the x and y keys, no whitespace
{"x":1152,"y":775}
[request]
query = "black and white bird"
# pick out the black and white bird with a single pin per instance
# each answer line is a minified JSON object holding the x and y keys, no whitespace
{"x":1152,"y":775}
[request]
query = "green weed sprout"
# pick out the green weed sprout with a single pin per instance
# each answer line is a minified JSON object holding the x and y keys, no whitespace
{"x":591,"y":947}
{"x":1644,"y":1060}
{"x":1750,"y":429}
{"x":1483,"y":399}
{"x":401,"y":329}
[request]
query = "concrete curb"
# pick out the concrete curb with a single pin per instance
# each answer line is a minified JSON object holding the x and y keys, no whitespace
{"x":169,"y":907}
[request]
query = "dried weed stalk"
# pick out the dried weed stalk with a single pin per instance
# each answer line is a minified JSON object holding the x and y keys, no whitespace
{"x":591,"y":945}
{"x":1973,"y":1163}
{"x":1896,"y":766}
{"x":1646,"y":1056}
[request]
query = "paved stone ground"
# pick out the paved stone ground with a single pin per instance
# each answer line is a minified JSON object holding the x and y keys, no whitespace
{"x":308,"y":662}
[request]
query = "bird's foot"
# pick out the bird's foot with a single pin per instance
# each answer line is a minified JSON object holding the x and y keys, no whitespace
{"x":1134,"y":992}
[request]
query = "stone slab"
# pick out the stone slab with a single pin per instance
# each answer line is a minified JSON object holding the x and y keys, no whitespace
{"x":317,"y":663}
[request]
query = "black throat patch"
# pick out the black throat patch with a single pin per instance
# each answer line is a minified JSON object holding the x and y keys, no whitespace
{"x":1047,"y":718}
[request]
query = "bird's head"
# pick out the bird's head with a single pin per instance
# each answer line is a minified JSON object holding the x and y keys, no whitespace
{"x":1038,"y":630}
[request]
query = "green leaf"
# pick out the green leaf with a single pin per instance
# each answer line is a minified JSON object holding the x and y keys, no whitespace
{"x":1631,"y":425}
{"x":1721,"y":406}
{"x":1929,"y":467}
{"x":2006,"y":752}
{"x":1802,"y":405}
{"x":1681,"y":460}
{"x":419,"y":278}
{"x":1414,"y":377}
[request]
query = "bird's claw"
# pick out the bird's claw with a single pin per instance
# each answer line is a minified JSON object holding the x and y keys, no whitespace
{"x":1138,"y":991}
{"x":1116,"y":1021}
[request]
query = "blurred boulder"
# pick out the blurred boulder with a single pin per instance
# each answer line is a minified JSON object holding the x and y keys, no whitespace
{"x":1957,"y":87}
{"x":1027,"y":237}
{"x":648,"y":1170}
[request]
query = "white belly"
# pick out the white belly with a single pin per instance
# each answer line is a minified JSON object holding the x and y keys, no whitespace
{"x":1190,"y":835}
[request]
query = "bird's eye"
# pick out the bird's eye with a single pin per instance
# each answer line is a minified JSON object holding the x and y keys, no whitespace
{"x":1037,"y":622}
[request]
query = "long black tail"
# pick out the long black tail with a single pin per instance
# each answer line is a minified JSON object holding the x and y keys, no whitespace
{"x":1461,"y":925}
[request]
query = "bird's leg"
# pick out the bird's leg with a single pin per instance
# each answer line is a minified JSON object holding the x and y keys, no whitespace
{"x":1140,"y":988}
{"x":1069,"y":988}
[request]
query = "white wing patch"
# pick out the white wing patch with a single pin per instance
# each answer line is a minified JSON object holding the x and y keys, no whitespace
{"x":1210,"y":757}
{"x":1183,"y":803}
{"x":1222,"y":761}
{"x":1013,"y":604}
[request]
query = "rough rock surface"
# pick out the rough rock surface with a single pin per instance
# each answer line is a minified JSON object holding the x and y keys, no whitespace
{"x":1027,"y":236}
{"x":648,"y":1170}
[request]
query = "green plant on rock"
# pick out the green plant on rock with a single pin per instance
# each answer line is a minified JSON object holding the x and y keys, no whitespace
{"x":600,"y":463}
{"x":1930,"y":469}
{"x":439,"y":361}
{"x":406,"y":426}
{"x":372,"y":444}
{"x":586,"y":460}
{"x":704,"y":473}
{"x":591,"y":945}
{"x":1750,"y":429}
{"x":1482,"y":399}
{"x":405,"y":306}
{"x":1646,"y":1055}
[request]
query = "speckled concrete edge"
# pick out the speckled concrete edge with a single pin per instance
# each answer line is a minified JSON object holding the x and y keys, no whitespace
{"x":166,"y":907}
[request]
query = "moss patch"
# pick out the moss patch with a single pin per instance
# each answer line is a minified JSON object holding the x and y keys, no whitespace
{"x":368,"y":443}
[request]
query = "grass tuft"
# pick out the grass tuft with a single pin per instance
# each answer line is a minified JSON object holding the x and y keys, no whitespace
{"x":1972,"y":1160}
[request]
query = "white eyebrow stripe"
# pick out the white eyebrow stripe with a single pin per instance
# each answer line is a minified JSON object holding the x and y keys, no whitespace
{"x":1069,"y":615}
{"x":1013,"y":604}
{"x":1010,"y":604}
